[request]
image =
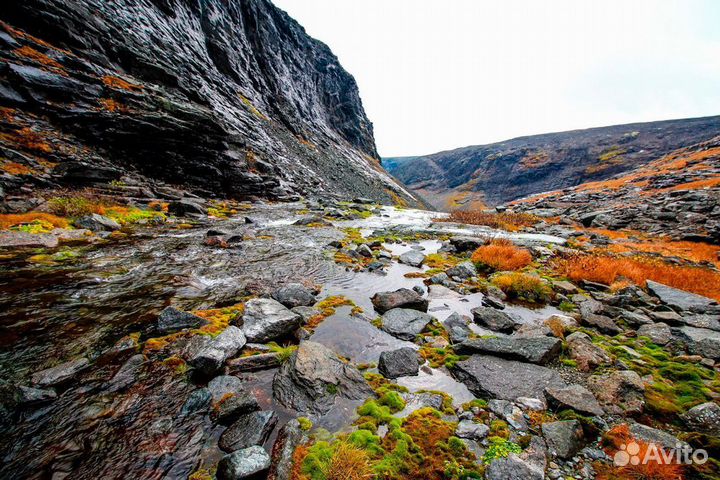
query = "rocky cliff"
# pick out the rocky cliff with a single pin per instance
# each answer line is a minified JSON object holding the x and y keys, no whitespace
{"x":228,"y":98}
{"x":500,"y":172}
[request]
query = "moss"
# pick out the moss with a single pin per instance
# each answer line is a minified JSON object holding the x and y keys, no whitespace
{"x":478,"y":402}
{"x":331,"y":388}
{"x":499,"y":448}
{"x":305,"y":423}
{"x":284,"y":353}
{"x":393,"y":401}
{"x":439,"y":357}
{"x":499,"y":428}
{"x":566,"y":306}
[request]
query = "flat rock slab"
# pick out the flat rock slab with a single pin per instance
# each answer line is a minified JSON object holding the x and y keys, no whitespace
{"x":61,"y":373}
{"x":248,"y":430}
{"x":401,"y":298}
{"x":575,"y":397}
{"x":494,"y":320}
{"x":680,"y":298}
{"x":540,"y":350}
{"x":412,"y":258}
{"x":494,"y":377}
{"x":30,"y":240}
{"x":405,"y":323}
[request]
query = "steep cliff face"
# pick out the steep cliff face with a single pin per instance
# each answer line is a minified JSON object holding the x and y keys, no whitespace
{"x":500,"y":172}
{"x":227,"y":97}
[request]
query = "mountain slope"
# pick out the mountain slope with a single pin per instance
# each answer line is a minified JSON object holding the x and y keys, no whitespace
{"x":229,"y":98}
{"x":500,"y":172}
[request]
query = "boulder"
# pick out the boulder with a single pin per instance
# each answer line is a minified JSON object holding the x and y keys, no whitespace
{"x":529,"y":465}
{"x":230,"y":399}
{"x":246,"y":463}
{"x":564,"y":438}
{"x":587,"y":355}
{"x":289,"y":438}
{"x":97,"y":223}
{"x":398,"y":363}
{"x":294,"y":295}
{"x":210,"y":358}
{"x":173,"y":320}
{"x":183,"y":208}
{"x":402,"y":298}
{"x":680,"y":299}
{"x":509,"y":412}
{"x":700,"y":341}
{"x":704,"y":418}
{"x":248,"y":430}
{"x":494,"y":320}
{"x":466,"y":244}
{"x":314,"y":377}
{"x":575,"y":397}
{"x":412,"y":258}
{"x":462,"y":270}
{"x":404,"y":323}
{"x":494,"y":377}
{"x":540,"y":350}
{"x":266,"y":319}
{"x":471,"y":430}
{"x":416,"y":401}
{"x":602,"y":323}
{"x":457,"y":328}
{"x":659,"y":333}
{"x":620,"y":392}
{"x":653,"y":435}
{"x":63,"y":373}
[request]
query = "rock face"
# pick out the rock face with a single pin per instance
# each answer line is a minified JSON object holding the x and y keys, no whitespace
{"x":225,"y":97}
{"x":494,"y":377}
{"x":313,"y":377}
{"x":540,"y":350}
{"x":404,"y":323}
{"x":401,"y":298}
{"x":398,"y":363}
{"x":266,"y":319}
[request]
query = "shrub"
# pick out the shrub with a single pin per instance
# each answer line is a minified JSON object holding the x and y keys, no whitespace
{"x":521,"y":286}
{"x":504,"y":221}
{"x":32,"y":222}
{"x":74,"y":206}
{"x":501,"y":255}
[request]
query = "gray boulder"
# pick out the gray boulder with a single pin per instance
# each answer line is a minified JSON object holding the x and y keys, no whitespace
{"x":575,"y":397}
{"x":173,"y":320}
{"x":457,"y":328}
{"x":266,"y":319}
{"x":529,"y":465}
{"x":494,"y":377}
{"x":412,"y":258}
{"x":97,"y":223}
{"x":587,"y":355}
{"x":401,"y":298}
{"x":65,"y":372}
{"x":314,"y":377}
{"x":210,"y":358}
{"x":602,"y":323}
{"x":248,"y":430}
{"x":404,"y":323}
{"x":462,"y":270}
{"x":494,"y":320}
{"x":398,"y":363}
{"x":680,"y":299}
{"x":182,"y":208}
{"x":465,"y":243}
{"x":471,"y":430}
{"x":294,"y":295}
{"x":564,"y":438}
{"x":659,"y":333}
{"x":289,"y":438}
{"x":246,"y":463}
{"x":230,"y":399}
{"x":653,"y":435}
{"x":700,"y":341}
{"x":540,"y":350}
{"x":704,"y":418}
{"x":620,"y":392}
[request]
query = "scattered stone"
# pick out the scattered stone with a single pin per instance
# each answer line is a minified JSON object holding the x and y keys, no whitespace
{"x":289,"y":438}
{"x":404,"y":323}
{"x":575,"y":397}
{"x":620,"y":392}
{"x":416,"y":401}
{"x":471,"y":430}
{"x":402,"y":298}
{"x":253,"y":363}
{"x":457,"y":328}
{"x":398,"y":363}
{"x":509,"y":412}
{"x":602,"y":323}
{"x":540,"y":350}
{"x":266,"y":319}
{"x":462,"y":271}
{"x":587,"y":355}
{"x":364,"y":250}
{"x":60,"y":374}
{"x":659,"y":333}
{"x":97,"y":223}
{"x":412,"y":258}
{"x":680,"y":299}
{"x":248,"y":430}
{"x":704,"y":418}
{"x":294,"y":295}
{"x":494,"y":320}
{"x":245,"y":463}
{"x":186,"y":208}
{"x":172,"y":320}
{"x":564,"y":438}
{"x":209,"y":359}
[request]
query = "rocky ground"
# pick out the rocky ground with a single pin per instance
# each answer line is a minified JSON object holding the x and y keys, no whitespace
{"x":319,"y":339}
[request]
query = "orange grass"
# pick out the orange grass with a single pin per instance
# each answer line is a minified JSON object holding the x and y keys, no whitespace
{"x":501,"y":255}
{"x":693,"y":251}
{"x":9,"y":220}
{"x":505,"y":221}
{"x":608,"y":269}
{"x":14,"y":168}
{"x":41,"y":58}
{"x":120,"y":84}
{"x":28,"y":139}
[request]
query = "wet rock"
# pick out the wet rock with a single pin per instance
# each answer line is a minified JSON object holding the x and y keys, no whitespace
{"x":313,"y":377}
{"x":457,"y":328}
{"x":312,"y":220}
{"x":305,"y":312}
{"x":494,"y":320}
{"x":63,"y":373}
{"x":419,"y":290}
{"x":602,"y":323}
{"x":172,"y":320}
{"x":462,"y":271}
{"x":266,"y":319}
{"x":209,"y":359}
{"x":416,"y":401}
{"x":540,"y":350}
{"x":471,"y":430}
{"x":564,"y":287}
{"x":412,"y":258}
{"x":700,"y":341}
{"x":404,"y":323}
{"x":186,"y":208}
{"x":197,"y":402}
{"x":246,"y":463}
{"x":398,"y":363}
{"x":653,"y":435}
{"x":704,"y":418}
{"x":492,"y":302}
{"x":680,"y":299}
{"x":252,"y":363}
{"x":364,"y":250}
{"x":620,"y":392}
{"x":30,"y":240}
{"x":529,"y":465}
{"x":575,"y":397}
{"x":294,"y":295}
{"x":659,"y":333}
{"x":564,"y":438}
{"x":127,"y":375}
{"x":248,"y":430}
{"x":97,"y":223}
{"x":465,"y":244}
{"x":401,"y":298}
{"x":119,"y":352}
{"x":289,"y":438}
{"x":587,"y":355}
{"x":493,"y":377}
{"x":34,"y":396}
{"x":230,"y":399}
{"x":509,"y":412}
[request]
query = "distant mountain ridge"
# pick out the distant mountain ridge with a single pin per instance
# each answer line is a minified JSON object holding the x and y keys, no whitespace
{"x":492,"y":174}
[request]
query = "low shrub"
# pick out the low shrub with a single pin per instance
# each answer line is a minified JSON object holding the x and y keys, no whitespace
{"x":504,"y":221}
{"x":499,"y":255}
{"x":521,"y":286}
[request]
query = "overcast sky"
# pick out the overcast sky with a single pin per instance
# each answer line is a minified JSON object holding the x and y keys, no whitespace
{"x":441,"y":74}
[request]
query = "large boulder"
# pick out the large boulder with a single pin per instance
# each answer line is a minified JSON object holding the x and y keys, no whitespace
{"x":398,"y":363}
{"x":97,"y":223}
{"x":314,"y":377}
{"x":457,"y":328}
{"x":211,"y":358}
{"x":701,"y":341}
{"x":60,"y":374}
{"x":173,"y":320}
{"x":704,"y":418}
{"x":494,"y":377}
{"x":575,"y":397}
{"x":465,"y":243}
{"x":290,"y":437}
{"x":680,"y":299}
{"x":586,"y":354}
{"x":248,"y":430}
{"x":540,"y":350}
{"x":564,"y":438}
{"x":294,"y":295}
{"x":412,"y":258}
{"x":266,"y":319}
{"x":401,"y":298}
{"x":404,"y":323}
{"x":494,"y":320}
{"x":246,"y":463}
{"x":659,"y":333}
{"x":602,"y":323}
{"x":620,"y":392}
{"x":182,"y":208}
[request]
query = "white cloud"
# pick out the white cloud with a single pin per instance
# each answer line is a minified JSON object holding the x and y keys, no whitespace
{"x":437,"y":75}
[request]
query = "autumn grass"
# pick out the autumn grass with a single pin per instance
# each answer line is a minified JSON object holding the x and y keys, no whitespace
{"x":120,"y":84}
{"x":27,"y":139}
{"x":505,"y":221}
{"x":692,"y":251}
{"x":501,"y":254}
{"x":33,"y":222}
{"x":522,"y":286}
